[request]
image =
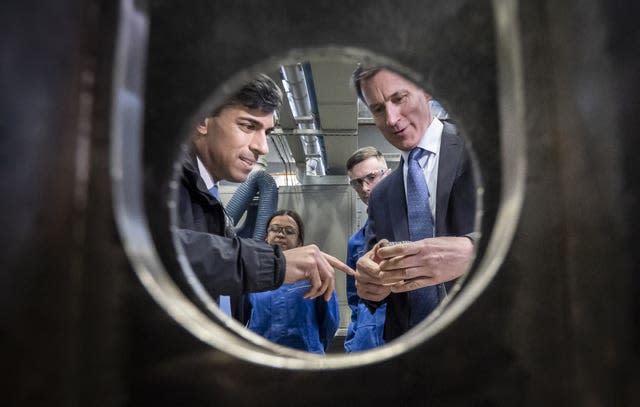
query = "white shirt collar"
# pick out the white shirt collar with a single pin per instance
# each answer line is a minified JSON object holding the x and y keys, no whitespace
{"x":430,"y":141}
{"x":204,"y":174}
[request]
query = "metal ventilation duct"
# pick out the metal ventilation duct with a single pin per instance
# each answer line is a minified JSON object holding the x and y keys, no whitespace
{"x":298,"y":85}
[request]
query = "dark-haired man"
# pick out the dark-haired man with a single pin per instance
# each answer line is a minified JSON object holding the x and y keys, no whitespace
{"x":225,"y":146}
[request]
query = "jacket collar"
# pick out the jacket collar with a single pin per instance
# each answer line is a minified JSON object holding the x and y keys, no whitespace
{"x":192,"y":177}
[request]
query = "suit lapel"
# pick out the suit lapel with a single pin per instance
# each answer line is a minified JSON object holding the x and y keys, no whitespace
{"x":398,"y":209}
{"x":451,"y":148}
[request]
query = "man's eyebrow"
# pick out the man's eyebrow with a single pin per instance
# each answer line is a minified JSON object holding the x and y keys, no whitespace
{"x":250,"y":120}
{"x":393,"y":95}
{"x":399,"y":93}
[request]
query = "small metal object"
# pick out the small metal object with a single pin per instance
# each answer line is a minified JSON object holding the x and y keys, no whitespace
{"x":388,"y":244}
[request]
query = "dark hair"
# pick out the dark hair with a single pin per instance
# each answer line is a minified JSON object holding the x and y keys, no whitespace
{"x":293,"y":215}
{"x":260,"y":93}
{"x":363,"y":72}
{"x":362,"y":154}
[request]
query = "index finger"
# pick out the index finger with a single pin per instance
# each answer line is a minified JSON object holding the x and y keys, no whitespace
{"x":404,"y":249}
{"x":413,"y":284}
{"x":366,"y":265}
{"x":338,"y":264}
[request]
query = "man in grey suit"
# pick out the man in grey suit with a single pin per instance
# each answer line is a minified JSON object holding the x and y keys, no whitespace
{"x":410,"y":277}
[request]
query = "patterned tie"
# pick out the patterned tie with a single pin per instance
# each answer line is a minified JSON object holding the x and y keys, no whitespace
{"x":225,"y":300}
{"x":418,"y":210}
{"x":423,"y":300}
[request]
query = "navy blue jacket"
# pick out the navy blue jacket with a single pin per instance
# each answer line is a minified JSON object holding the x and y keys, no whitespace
{"x":224,"y":263}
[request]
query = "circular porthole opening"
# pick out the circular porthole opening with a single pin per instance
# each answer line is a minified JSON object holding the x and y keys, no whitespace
{"x":187,"y":299}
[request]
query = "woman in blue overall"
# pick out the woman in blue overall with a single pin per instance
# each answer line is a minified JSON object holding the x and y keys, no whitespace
{"x":284,"y":316}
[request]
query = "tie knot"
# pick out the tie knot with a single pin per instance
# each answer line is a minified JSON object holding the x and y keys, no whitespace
{"x":214,"y":192}
{"x":416,"y":153}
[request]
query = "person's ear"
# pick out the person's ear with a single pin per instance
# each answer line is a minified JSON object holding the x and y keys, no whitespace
{"x":427,"y":96}
{"x":202,"y":126}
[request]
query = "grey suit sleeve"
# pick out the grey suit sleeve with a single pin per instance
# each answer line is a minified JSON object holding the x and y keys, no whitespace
{"x":371,"y":239}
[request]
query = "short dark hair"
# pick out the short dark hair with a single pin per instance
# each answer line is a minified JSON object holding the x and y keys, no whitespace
{"x":293,"y":215}
{"x":260,"y":93}
{"x":362,"y":154}
{"x":363,"y":72}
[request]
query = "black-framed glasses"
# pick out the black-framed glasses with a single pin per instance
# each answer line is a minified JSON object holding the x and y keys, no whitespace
{"x":369,"y":179}
{"x":287,"y":230}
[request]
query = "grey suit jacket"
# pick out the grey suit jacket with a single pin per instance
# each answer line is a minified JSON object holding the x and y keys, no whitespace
{"x":455,"y":213}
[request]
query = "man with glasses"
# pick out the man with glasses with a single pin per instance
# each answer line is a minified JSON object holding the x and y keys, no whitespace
{"x":365,"y":168}
{"x":427,"y":203}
